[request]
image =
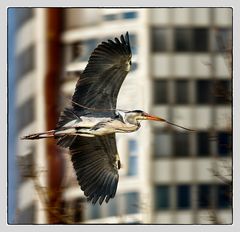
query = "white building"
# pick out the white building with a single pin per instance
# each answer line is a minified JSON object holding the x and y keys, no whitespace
{"x":180,"y":72}
{"x":30,"y":69}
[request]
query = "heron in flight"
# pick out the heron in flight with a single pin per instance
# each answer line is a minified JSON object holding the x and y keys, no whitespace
{"x":89,"y":126}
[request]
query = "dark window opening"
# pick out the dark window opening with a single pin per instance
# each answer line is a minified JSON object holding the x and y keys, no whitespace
{"x":224,"y":143}
{"x":160,"y":92}
{"x":181,"y":144}
{"x":204,"y":92}
{"x":200,"y":39}
{"x":203,"y":144}
{"x":224,"y":197}
{"x":183,"y":40}
{"x":222,"y":92}
{"x":162,"y":197}
{"x":160,"y":39}
{"x":204,"y":196}
{"x":183,"y":196}
{"x":181,"y":92}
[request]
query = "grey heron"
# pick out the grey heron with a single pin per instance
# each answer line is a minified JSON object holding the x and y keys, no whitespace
{"x":89,"y":126}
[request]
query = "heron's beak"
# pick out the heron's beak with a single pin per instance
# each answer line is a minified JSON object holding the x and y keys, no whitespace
{"x":153,"y":118}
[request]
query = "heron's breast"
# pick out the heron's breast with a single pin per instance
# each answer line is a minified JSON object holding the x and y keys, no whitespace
{"x":85,"y":122}
{"x":124,"y":126}
{"x":90,"y":121}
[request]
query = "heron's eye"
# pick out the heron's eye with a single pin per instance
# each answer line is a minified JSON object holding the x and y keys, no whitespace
{"x":130,"y":62}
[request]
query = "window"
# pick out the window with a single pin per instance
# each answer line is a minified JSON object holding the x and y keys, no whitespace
{"x":82,"y":50}
{"x":133,"y":42}
{"x":134,"y":66}
{"x":26,"y":61}
{"x":130,"y":15}
{"x":204,"y":92}
{"x":183,"y":196}
{"x":110,"y":17}
{"x":181,"y":92}
{"x":78,"y":210}
{"x":132,"y":158}
{"x":23,"y":14}
{"x":73,"y":76}
{"x":26,"y":165}
{"x":132,"y":202}
{"x":63,"y":210}
{"x":182,"y":40}
{"x":200,"y":40}
{"x":94,"y":211}
{"x":27,"y":215}
{"x":160,"y":39}
{"x":112,"y":207}
{"x":25,"y":113}
{"x":204,"y":196}
{"x":76,"y":50}
{"x":203,"y":144}
{"x":224,"y":196}
{"x":163,"y":144}
{"x":223,"y":39}
{"x":224,"y":143}
{"x":181,"y":144}
{"x":162,"y":197}
{"x":160,"y":92}
{"x":222,"y":92}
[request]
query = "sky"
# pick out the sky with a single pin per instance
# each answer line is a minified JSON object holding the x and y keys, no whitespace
{"x":11,"y":122}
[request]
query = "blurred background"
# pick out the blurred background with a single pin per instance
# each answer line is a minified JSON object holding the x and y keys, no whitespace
{"x":182,"y":71}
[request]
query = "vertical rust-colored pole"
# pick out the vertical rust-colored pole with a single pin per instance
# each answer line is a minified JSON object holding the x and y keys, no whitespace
{"x":55,"y":160}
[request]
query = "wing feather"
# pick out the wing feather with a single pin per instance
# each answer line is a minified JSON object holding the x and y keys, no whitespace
{"x":102,"y":78}
{"x":94,"y":161}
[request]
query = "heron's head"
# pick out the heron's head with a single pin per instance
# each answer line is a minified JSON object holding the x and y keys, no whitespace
{"x":138,"y":115}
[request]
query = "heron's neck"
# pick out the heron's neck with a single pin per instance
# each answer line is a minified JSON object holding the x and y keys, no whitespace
{"x":132,"y":120}
{"x":128,"y":119}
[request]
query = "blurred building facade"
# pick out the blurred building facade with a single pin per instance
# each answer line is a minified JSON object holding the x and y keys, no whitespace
{"x":25,"y":111}
{"x":30,"y":60}
{"x":182,"y":72}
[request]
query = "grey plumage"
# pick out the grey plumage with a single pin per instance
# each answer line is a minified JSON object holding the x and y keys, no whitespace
{"x":88,"y":128}
{"x":95,"y":158}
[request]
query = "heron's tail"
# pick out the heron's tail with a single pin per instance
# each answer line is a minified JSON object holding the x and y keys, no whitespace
{"x":42,"y":135}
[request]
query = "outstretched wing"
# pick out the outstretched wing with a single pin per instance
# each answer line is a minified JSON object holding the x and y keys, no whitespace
{"x":96,"y":166}
{"x":99,"y":84}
